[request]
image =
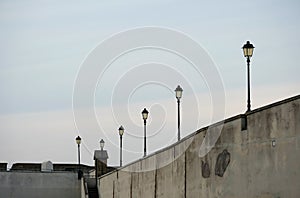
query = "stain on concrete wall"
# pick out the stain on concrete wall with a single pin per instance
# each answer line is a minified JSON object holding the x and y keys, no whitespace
{"x":222,"y":162}
{"x":205,"y":169}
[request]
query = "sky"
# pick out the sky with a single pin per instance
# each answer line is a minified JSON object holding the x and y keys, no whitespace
{"x":45,"y":45}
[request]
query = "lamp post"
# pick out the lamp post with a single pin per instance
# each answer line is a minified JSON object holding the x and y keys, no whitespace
{"x":78,"y":141}
{"x":101,"y":160}
{"x":178,"y":92}
{"x":248,"y":52}
{"x":145,"y":116}
{"x":102,"y":144}
{"x":121,"y":132}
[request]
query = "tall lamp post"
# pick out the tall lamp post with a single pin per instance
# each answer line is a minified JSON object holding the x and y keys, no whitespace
{"x":178,"y":92}
{"x":145,"y":116}
{"x":121,"y":132}
{"x":248,"y":52}
{"x":102,"y":144}
{"x":78,"y":141}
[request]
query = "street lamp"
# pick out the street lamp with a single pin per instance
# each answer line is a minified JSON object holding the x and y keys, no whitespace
{"x":102,"y":144}
{"x":145,"y":116}
{"x":248,"y":52}
{"x":78,"y":141}
{"x":178,"y":92}
{"x":121,"y":132}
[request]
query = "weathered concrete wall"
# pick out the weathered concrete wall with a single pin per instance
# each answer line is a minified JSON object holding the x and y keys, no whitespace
{"x":38,"y":184}
{"x":243,"y":163}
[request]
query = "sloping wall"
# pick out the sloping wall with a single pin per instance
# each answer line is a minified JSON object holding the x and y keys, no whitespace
{"x":260,"y":160}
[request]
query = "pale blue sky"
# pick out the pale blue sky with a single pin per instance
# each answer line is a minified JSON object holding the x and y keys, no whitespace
{"x":43,"y":44}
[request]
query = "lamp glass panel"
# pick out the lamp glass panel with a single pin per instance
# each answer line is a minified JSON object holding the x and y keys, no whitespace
{"x":178,"y":94}
{"x":145,"y":116}
{"x":102,"y":144}
{"x":245,"y":50}
{"x":250,"y":52}
{"x":78,"y":140}
{"x":121,"y":131}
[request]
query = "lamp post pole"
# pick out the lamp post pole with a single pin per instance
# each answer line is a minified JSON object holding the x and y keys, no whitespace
{"x":248,"y":52}
{"x":178,"y":92}
{"x":248,"y":94}
{"x":78,"y":141}
{"x":145,"y":116}
{"x":178,"y":104}
{"x":120,"y":151}
{"x":121,"y":132}
{"x":145,"y":151}
{"x":78,"y":154}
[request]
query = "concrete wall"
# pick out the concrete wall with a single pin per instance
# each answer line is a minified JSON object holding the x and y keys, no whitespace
{"x":38,"y":184}
{"x":243,"y":163}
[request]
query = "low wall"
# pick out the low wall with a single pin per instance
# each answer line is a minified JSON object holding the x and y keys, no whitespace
{"x":256,"y":155}
{"x":39,"y":184}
